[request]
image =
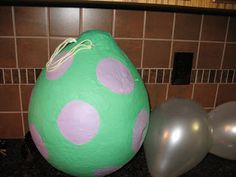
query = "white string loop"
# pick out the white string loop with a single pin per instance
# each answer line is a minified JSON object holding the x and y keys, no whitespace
{"x":52,"y":65}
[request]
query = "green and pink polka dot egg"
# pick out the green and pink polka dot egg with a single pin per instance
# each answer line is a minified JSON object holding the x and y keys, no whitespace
{"x":89,"y":109}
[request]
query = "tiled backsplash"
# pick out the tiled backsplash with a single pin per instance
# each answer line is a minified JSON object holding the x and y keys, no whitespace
{"x":28,"y":36}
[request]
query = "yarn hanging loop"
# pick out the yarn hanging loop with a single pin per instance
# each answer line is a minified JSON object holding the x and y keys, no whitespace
{"x":53,"y":64}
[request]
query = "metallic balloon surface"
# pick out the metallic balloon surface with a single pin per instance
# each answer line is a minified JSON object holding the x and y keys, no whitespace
{"x":223,"y":123}
{"x":178,"y":138}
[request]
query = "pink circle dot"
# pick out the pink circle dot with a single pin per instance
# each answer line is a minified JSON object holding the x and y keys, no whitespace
{"x":38,"y":141}
{"x":115,"y":76}
{"x":78,"y":122}
{"x":140,"y":129}
{"x":105,"y":171}
{"x":58,"y":72}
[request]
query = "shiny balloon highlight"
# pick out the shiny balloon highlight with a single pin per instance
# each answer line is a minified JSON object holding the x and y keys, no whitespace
{"x":178,"y":138}
{"x":223,"y":124}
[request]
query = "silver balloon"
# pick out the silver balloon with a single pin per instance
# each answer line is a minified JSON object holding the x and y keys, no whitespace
{"x":178,"y":138}
{"x":223,"y":123}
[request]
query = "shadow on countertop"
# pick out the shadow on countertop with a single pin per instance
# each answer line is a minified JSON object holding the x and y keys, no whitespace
{"x":22,"y":159}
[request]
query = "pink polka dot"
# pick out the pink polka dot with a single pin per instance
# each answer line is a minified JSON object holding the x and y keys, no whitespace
{"x":115,"y":76}
{"x":38,"y":141}
{"x":105,"y":171}
{"x":58,"y":72}
{"x":140,"y":129}
{"x":78,"y":122}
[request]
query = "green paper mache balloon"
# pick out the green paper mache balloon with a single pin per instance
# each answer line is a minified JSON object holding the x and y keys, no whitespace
{"x":89,"y":109}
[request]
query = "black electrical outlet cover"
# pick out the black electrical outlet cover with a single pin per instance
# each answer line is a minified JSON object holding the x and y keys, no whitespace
{"x":182,"y":68}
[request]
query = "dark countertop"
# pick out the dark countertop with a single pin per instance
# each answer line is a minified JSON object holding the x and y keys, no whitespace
{"x":23,"y":160}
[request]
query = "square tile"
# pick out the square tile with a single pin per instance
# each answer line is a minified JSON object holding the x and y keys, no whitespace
{"x":180,"y":91}
{"x":30,"y":76}
{"x":10,"y":100}
{"x":156,"y":54}
{"x":230,"y":76}
{"x":214,"y":28}
{"x":206,"y":74}
{"x":212,"y":76}
{"x":10,"y":126}
{"x":226,"y":93}
{"x":205,"y":94}
{"x":32,"y":52}
{"x":187,"y":26}
{"x":157,"y":94}
{"x":145,"y":75}
{"x":224,"y":76}
{"x":159,"y":25}
{"x":15,"y":76}
{"x":159,"y":78}
{"x":133,"y":49}
{"x":6,"y":21}
{"x":167,"y":75}
{"x":37,"y":73}
{"x":230,"y":56}
{"x":218,"y":76}
{"x":26,"y":91}
{"x":23,"y":77}
{"x":30,"y":21}
{"x":231,"y":31}
{"x":185,"y":47}
{"x":1,"y":76}
{"x":199,"y":75}
{"x":210,"y":55}
{"x":97,"y":19}
{"x":193,"y":76}
{"x":64,"y":21}
{"x":152,"y":78}
{"x":129,"y":23}
{"x":7,"y":76}
{"x":7,"y":53}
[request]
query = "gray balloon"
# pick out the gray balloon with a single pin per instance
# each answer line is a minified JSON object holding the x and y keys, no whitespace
{"x":178,"y":138}
{"x":223,"y":123}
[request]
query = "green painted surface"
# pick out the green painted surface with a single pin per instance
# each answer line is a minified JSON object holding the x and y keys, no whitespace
{"x":112,"y":146}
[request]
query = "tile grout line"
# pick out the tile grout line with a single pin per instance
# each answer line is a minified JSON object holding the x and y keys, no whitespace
{"x":201,"y":80}
{"x":17,"y":66}
{"x":199,"y":42}
{"x":149,"y":73}
{"x":80,"y":20}
{"x":34,"y":75}
{"x":222,"y":60}
{"x":11,"y":76}
{"x":171,"y":50}
{"x":7,"y":112}
{"x":79,"y":30}
{"x":227,"y":75}
{"x":155,"y":76}
{"x":26,"y":75}
{"x":122,"y":38}
{"x":163,"y":76}
{"x":47,"y":30}
{"x":233,"y":76}
{"x":226,"y":35}
{"x":209,"y":74}
{"x":197,"y":57}
{"x":113,"y":22}
{"x":143,"y":38}
{"x":3,"y":77}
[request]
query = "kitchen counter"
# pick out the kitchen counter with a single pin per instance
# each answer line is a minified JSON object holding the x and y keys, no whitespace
{"x":23,"y":160}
